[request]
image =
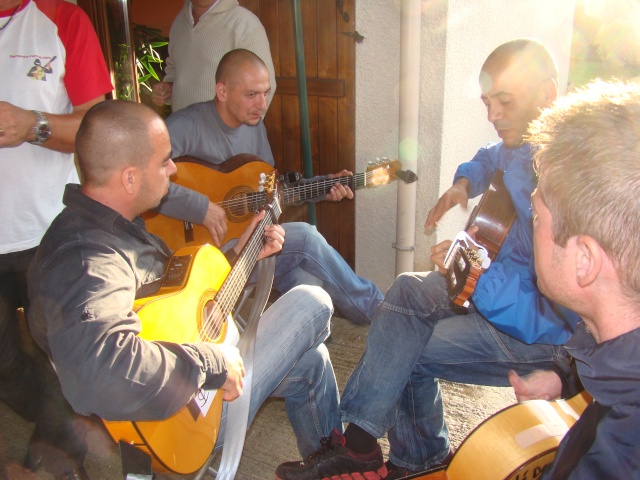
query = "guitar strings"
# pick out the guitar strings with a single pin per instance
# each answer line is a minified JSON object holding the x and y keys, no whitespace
{"x":229,"y":292}
{"x":302,"y":192}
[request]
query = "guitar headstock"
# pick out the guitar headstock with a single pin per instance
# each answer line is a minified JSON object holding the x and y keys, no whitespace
{"x":268,"y":185}
{"x":387,"y":170}
{"x":268,"y":182}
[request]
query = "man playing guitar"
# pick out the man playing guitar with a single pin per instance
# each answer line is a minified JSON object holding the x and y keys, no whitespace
{"x":231,"y":124}
{"x":418,"y":335}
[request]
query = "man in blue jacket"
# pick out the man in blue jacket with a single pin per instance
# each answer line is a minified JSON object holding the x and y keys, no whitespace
{"x":586,"y":229}
{"x":418,"y":336}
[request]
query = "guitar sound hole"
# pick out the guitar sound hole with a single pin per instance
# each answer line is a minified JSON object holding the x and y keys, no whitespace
{"x":213,"y":321}
{"x":240,"y":204}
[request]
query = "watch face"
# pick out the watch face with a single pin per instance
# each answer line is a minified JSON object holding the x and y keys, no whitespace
{"x":43,"y":131}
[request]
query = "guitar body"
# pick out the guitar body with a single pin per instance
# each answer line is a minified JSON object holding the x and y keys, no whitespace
{"x":494,"y":215}
{"x":515,"y":443}
{"x":177,"y":313}
{"x":239,"y":202}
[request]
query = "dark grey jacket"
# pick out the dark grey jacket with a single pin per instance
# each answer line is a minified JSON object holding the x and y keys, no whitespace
{"x":91,"y":265}
{"x":605,"y":441}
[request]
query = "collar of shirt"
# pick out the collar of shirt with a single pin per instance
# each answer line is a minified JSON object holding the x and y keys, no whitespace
{"x":101,"y":214}
{"x":190,"y":10}
{"x":105,"y":217}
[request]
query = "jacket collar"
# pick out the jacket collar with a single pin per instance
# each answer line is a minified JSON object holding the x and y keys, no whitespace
{"x":609,"y":371}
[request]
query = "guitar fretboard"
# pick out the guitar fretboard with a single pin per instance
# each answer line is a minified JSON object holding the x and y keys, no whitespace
{"x":321,"y":188}
{"x":253,"y":201}
{"x":236,"y":281}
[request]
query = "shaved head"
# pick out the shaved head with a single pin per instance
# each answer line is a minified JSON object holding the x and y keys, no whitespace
{"x":524,"y":60}
{"x":113,"y":135}
{"x":233,"y":63}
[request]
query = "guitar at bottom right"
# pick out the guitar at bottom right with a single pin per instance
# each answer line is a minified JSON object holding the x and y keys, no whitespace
{"x":514,"y":444}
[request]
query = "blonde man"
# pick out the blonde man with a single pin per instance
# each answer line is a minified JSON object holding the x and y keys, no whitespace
{"x":587,"y":257}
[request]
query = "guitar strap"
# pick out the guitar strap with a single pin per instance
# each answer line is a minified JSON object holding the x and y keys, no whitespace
{"x":238,"y":410}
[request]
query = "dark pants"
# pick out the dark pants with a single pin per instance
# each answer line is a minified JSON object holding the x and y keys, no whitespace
{"x":28,"y":383}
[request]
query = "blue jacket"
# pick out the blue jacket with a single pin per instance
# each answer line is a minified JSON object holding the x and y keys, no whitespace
{"x":605,"y":441}
{"x":507,"y":294}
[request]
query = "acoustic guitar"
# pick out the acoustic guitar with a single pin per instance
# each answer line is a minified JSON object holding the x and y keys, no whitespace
{"x":232,"y":186}
{"x":193,"y":304}
{"x":515,"y":443}
{"x":494,"y":215}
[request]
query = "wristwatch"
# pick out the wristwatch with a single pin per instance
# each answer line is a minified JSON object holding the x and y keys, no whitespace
{"x":41,"y":129}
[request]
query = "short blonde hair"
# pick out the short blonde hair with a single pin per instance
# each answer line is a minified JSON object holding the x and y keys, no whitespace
{"x":588,"y":161}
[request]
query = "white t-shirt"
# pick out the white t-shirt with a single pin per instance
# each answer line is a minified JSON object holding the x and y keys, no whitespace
{"x":50,"y":60}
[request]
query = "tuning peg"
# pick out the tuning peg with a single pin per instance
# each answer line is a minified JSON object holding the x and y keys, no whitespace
{"x":263,"y":178}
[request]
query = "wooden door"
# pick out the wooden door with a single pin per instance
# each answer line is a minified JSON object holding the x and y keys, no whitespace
{"x":329,"y":50}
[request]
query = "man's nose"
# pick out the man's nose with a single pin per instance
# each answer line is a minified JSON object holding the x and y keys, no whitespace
{"x":262,"y":101}
{"x":172,"y":168}
{"x":494,"y":112}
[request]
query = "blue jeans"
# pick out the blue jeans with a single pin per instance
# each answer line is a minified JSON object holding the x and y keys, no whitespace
{"x":417,"y":337}
{"x":292,"y":362}
{"x":307,"y":259}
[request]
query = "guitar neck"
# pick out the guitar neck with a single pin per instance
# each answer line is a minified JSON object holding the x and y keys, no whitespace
{"x":235,"y":282}
{"x":320,"y":188}
{"x":297,"y":194}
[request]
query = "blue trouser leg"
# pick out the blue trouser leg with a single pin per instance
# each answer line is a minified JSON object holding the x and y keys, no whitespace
{"x":307,"y":258}
{"x":415,"y":338}
{"x":292,"y":362}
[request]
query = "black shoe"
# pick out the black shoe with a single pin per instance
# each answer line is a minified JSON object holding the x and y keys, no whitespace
{"x":394,"y":471}
{"x":74,"y":474}
{"x":334,"y":459}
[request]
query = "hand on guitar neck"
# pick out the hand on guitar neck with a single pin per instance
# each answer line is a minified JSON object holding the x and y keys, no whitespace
{"x":439,"y":251}
{"x":340,"y":191}
{"x":273,"y":237}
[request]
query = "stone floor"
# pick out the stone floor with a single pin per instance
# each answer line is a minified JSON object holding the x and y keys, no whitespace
{"x":270,"y":439}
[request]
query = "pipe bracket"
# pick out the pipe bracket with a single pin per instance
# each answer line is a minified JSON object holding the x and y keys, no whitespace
{"x":403,"y":249}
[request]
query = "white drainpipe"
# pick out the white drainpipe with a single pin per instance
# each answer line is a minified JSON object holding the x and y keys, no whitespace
{"x":410,"y":18}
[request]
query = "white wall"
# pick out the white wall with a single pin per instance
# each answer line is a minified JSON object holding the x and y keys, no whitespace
{"x":456,"y":37}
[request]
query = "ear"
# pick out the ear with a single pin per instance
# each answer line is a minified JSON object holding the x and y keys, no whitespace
{"x":129,"y":180}
{"x":221,"y":92}
{"x":589,"y":258}
{"x":548,"y":92}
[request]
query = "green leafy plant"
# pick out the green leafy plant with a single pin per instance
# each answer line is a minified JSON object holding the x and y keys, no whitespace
{"x":148,"y":60}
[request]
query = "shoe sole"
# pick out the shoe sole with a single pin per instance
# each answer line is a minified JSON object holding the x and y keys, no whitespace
{"x":380,"y":474}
